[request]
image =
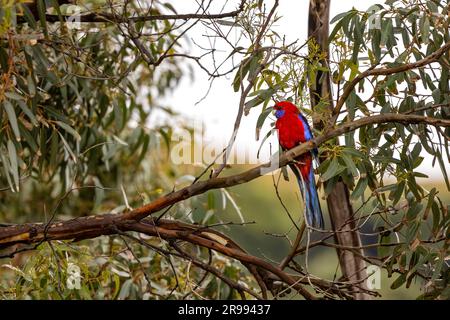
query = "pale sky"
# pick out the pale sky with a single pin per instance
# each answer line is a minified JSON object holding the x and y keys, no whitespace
{"x":218,"y":110}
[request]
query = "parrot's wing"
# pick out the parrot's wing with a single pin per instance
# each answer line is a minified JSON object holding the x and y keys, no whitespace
{"x":309,"y":136}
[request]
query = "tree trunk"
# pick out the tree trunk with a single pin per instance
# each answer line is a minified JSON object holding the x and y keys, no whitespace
{"x":338,"y":201}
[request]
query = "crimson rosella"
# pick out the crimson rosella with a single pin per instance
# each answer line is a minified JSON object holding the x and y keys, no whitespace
{"x":293,"y":129}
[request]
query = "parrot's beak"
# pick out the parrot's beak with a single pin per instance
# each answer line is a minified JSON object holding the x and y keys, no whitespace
{"x":273,"y":110}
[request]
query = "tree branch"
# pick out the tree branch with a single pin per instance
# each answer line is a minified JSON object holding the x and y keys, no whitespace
{"x":385,"y":72}
{"x":94,"y":226}
{"x":107,"y":17}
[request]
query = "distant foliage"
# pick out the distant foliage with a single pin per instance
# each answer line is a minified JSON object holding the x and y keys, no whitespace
{"x":75,"y":108}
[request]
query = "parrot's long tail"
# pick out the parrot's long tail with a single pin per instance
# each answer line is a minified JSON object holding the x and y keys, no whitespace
{"x":313,"y":209}
{"x":308,"y":188}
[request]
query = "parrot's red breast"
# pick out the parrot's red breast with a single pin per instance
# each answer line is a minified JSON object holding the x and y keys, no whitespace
{"x":291,"y":133}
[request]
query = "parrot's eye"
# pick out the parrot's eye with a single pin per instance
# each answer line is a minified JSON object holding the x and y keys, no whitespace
{"x":279,"y":113}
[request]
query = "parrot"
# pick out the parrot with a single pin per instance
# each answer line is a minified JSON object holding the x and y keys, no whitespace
{"x":293,"y":129}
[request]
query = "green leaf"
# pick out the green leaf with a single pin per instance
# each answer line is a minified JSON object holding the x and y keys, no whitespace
{"x":333,"y":170}
{"x":253,"y":103}
{"x":438,"y":267}
{"x":429,"y":203}
{"x":14,"y":96}
{"x":31,"y":86}
{"x":125,"y":290}
{"x":240,"y":74}
{"x":436,"y":217}
{"x":376,"y":47}
{"x":389,"y":187}
{"x":354,"y":152}
{"x":67,"y":147}
{"x":54,"y":150}
{"x":350,"y":164}
{"x":254,"y":64}
{"x":226,"y":23}
{"x":385,"y":159}
{"x":397,"y":194}
{"x":28,"y":112}
{"x":69,"y":130}
{"x":42,"y":15}
{"x":342,"y":24}
{"x":264,"y":140}
{"x":399,"y":282}
{"x":260,"y":122}
{"x":7,"y":169}
{"x":360,"y":188}
{"x":118,"y":116}
{"x":29,"y":138}
{"x":432,"y":6}
{"x":411,"y":231}
{"x":211,"y":201}
{"x":144,"y":147}
{"x":386,"y":31}
{"x":12,"y":118}
{"x":338,"y":16}
{"x":170,"y":7}
{"x":29,"y":16}
{"x":414,"y":188}
{"x":384,"y":251}
{"x":443,"y":169}
{"x":413,"y":211}
{"x":14,"y":163}
{"x":425,"y":30}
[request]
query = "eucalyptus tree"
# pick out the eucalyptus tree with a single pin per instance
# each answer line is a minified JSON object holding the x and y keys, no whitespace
{"x":87,"y":182}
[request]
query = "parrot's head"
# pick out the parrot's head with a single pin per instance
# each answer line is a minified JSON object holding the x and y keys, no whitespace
{"x":283,"y":107}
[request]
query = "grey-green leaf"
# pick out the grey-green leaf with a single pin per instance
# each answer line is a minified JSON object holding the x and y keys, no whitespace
{"x":350,"y":164}
{"x":12,"y":118}
{"x":14,"y":163}
{"x":69,"y":129}
{"x":333,"y":170}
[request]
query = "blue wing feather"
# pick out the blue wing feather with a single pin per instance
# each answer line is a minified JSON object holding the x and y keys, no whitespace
{"x":308,"y":132}
{"x":308,"y":135}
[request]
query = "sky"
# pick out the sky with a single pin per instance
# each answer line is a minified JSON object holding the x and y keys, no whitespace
{"x":219,"y":108}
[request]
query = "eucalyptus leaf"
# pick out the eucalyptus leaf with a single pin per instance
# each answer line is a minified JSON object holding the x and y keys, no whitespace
{"x":12,"y":118}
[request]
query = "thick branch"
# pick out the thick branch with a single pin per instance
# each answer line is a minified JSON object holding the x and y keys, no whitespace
{"x":94,"y":226}
{"x":91,"y":226}
{"x":107,"y":17}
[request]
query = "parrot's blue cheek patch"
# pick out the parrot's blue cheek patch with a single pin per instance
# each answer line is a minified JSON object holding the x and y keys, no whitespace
{"x":279,"y":113}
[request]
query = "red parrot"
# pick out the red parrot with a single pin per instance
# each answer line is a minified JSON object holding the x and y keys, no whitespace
{"x":293,"y":129}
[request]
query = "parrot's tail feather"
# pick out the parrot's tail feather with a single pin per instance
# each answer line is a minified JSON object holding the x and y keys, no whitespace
{"x":308,"y":190}
{"x":313,"y":209}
